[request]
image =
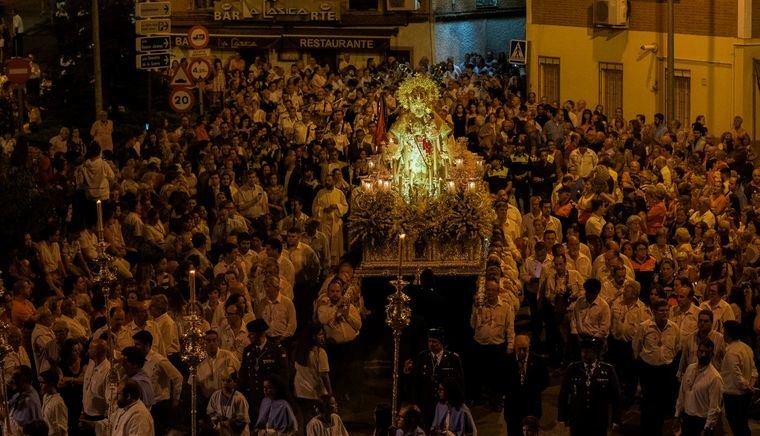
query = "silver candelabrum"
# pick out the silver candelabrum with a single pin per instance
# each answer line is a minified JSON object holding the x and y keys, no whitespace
{"x":5,"y":350}
{"x":398,"y":315}
{"x":193,"y":351}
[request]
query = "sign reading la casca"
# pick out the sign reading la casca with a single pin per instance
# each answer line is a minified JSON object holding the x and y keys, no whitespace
{"x":268,"y":10}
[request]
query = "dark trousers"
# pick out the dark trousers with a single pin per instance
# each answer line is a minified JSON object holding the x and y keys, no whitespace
{"x":621,"y":355}
{"x":488,"y":372}
{"x":657,"y":385}
{"x":162,"y":414}
{"x":18,"y":44}
{"x":346,"y":365}
{"x":737,"y":413}
{"x":692,"y":425}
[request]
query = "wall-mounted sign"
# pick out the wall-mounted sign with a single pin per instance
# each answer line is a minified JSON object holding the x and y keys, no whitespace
{"x":268,"y":10}
{"x":334,"y":43}
{"x":232,"y":42}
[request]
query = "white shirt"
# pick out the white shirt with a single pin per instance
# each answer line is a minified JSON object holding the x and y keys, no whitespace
{"x":169,"y":333}
{"x":494,"y":325}
{"x":132,"y":420}
{"x":213,"y":369}
{"x":690,"y":344}
{"x":591,"y":318}
{"x":166,"y":379}
{"x":94,"y":401}
{"x":41,"y":336}
{"x":279,"y":314}
{"x":316,"y":427}
{"x":722,"y":312}
{"x":55,"y":414}
{"x":308,"y":382}
{"x":18,"y":24}
{"x":235,"y":410}
{"x":626,"y":318}
{"x":152,"y":328}
{"x":654,"y":346}
{"x":234,"y":341}
{"x":701,"y":394}
{"x":685,"y":320}
{"x":338,"y":328}
{"x":15,"y":359}
{"x":738,"y":369}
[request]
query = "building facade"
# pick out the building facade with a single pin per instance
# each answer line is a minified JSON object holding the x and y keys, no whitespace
{"x":285,"y":31}
{"x":582,"y":50}
{"x":476,"y":26}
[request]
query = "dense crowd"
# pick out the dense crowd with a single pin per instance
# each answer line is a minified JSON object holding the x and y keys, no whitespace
{"x":624,"y":254}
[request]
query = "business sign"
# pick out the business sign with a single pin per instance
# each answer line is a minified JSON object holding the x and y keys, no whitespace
{"x":153,"y":10}
{"x":334,"y":43}
{"x":518,"y":51}
{"x":153,"y":61}
{"x":232,"y":42}
{"x":267,"y":10}
{"x":181,"y":100}
{"x":153,"y":43}
{"x":161,"y":26}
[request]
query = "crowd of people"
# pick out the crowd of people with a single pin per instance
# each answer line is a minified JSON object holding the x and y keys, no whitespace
{"x":623,"y":257}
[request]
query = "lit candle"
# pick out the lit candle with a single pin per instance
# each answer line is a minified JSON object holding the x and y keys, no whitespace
{"x":458,"y":162}
{"x":100,"y":219}
{"x":471,"y":185}
{"x":452,"y":186}
{"x":401,"y":238}
{"x":192,"y":289}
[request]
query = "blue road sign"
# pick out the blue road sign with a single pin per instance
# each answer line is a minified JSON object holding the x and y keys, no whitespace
{"x":153,"y":43}
{"x":518,"y":51}
{"x":153,"y":61}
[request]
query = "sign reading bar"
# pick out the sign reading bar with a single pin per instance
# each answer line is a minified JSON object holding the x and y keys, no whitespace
{"x":287,"y":10}
{"x":153,"y":61}
{"x":153,"y":10}
{"x":153,"y":43}
{"x":333,"y":43}
{"x":160,"y":26}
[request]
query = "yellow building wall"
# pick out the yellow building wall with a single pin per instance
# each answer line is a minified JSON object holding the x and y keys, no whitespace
{"x":719,"y":83}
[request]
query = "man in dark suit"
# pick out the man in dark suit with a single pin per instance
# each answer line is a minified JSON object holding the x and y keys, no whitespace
{"x":589,"y":390}
{"x":526,"y":378}
{"x":432,"y":367}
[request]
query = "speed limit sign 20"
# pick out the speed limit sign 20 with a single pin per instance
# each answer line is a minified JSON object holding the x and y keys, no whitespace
{"x":181,"y":100}
{"x":200,"y":69}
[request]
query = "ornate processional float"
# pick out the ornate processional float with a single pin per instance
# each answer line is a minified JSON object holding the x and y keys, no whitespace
{"x":427,"y":186}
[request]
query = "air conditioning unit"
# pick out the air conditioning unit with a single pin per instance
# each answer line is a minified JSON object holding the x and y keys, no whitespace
{"x":403,"y":5}
{"x":611,"y":13}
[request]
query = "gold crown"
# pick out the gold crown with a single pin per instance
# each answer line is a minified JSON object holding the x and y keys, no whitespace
{"x":418,"y":87}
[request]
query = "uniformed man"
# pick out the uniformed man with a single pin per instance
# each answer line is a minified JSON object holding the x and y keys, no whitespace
{"x":262,"y":359}
{"x":526,"y":378}
{"x":589,"y":389}
{"x":431,"y":368}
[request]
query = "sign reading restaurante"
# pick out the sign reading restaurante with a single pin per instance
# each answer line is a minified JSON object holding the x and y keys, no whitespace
{"x":288,"y":10}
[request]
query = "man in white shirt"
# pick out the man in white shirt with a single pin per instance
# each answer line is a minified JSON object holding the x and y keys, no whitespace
{"x":582,"y":160}
{"x":166,"y":381}
{"x":233,"y":335}
{"x":714,"y":301}
{"x":273,"y":249}
{"x":251,"y":199}
{"x":690,"y":344}
{"x":18,"y":33}
{"x":277,"y":310}
{"x":167,"y":327}
{"x":131,"y":418}
{"x":613,"y":288}
{"x":54,"y":410}
{"x":628,"y":311}
{"x":305,"y":261}
{"x":698,"y":407}
{"x":656,"y":344}
{"x":95,"y":404}
{"x":591,"y":315}
{"x":494,"y":324}
{"x":140,"y":322}
{"x":739,"y":375}
{"x":575,"y":259}
{"x":329,"y":207}
{"x":217,"y":365}
{"x":684,"y":314}
{"x":596,"y":221}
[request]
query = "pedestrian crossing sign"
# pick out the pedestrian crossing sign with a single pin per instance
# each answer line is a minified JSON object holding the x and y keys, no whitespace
{"x":518,"y":51}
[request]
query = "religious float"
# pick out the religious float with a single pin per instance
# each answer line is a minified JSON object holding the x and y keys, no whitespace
{"x":424,"y":203}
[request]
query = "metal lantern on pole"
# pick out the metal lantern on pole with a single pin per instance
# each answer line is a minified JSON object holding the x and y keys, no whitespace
{"x":193,"y":351}
{"x":5,"y":350}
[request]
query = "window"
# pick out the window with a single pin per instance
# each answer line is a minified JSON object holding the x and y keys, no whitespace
{"x":682,"y":96}
{"x":548,"y":78}
{"x":485,"y":3}
{"x":610,"y":86}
